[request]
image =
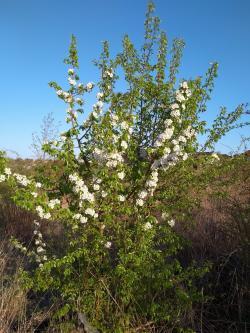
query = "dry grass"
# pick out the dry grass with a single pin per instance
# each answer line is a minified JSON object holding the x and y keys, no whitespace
{"x":221,"y":235}
{"x":13,"y":301}
{"x":17,"y":313}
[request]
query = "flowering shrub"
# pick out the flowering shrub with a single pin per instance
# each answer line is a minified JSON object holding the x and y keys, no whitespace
{"x":118,"y":264}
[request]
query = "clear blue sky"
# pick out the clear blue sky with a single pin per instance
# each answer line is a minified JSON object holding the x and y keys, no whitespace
{"x":34,"y":37}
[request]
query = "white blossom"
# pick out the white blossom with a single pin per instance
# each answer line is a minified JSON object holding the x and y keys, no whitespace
{"x":179,"y":96}
{"x":89,"y":86}
{"x":164,"y":215}
{"x":41,"y":213}
{"x":59,"y":92}
{"x":114,"y":119}
{"x":147,"y":226}
{"x":99,"y":104}
{"x":104,"y":194}
{"x":21,"y":179}
{"x":99,"y":95}
{"x":168,"y":122}
{"x":82,"y":219}
{"x":47,"y":216}
{"x":40,"y":249}
{"x":174,"y":106}
{"x":7,"y":171}
{"x":71,"y":71}
{"x":121,"y":175}
{"x":79,"y":100}
{"x":108,"y":245}
{"x":109,"y":73}
{"x":182,"y":139}
{"x":121,"y":198}
{"x":166,"y":135}
{"x":72,"y":82}
{"x":175,"y":113}
{"x":124,"y":125}
{"x":171,"y":223}
{"x":142,"y":194}
{"x":90,"y":211}
{"x":185,"y":156}
{"x":96,"y":187}
{"x":124,"y":144}
{"x":2,"y":178}
{"x":52,"y":203}
{"x":215,"y":156}
{"x":184,"y":85}
{"x":139,"y":202}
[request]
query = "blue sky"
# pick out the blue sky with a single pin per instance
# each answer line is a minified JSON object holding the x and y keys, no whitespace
{"x":35,"y":36}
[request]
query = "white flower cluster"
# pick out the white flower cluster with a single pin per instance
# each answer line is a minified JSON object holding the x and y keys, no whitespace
{"x":109,"y":73}
{"x":114,"y":119}
{"x":104,"y":194}
{"x":72,"y":115}
{"x":67,"y":97}
{"x":42,"y":214}
{"x":90,"y":86}
{"x":150,"y":185}
{"x":7,"y":171}
{"x":166,"y":134}
{"x":97,"y":107}
{"x":121,"y":198}
{"x":124,"y":145}
{"x":81,"y":189}
{"x":108,"y":245}
{"x":152,"y":182}
{"x":172,"y":155}
{"x":147,"y":226}
{"x":82,"y":219}
{"x":188,"y":132}
{"x":170,"y":222}
{"x":215,"y":157}
{"x":183,"y":93}
{"x":99,"y":95}
{"x":121,"y":175}
{"x":91,"y":212}
{"x":99,"y":155}
{"x":5,"y":176}
{"x":181,"y":96}
{"x":127,"y":128}
{"x":19,"y":246}
{"x":176,"y":147}
{"x":54,"y":202}
{"x":71,"y":81}
{"x":96,"y":187}
{"x":71,"y":71}
{"x":40,"y":245}
{"x":21,"y":179}
{"x":124,"y":125}
{"x":2,"y":178}
{"x":111,"y":159}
